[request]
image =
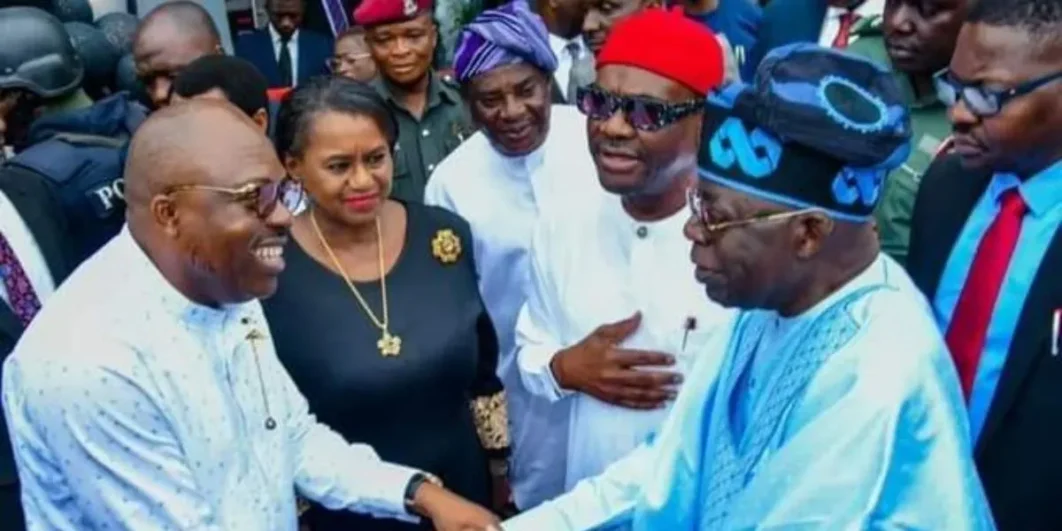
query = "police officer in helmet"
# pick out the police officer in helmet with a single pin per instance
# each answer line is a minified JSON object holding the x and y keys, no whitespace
{"x":38,"y":70}
{"x":37,"y":65}
{"x":57,"y":132}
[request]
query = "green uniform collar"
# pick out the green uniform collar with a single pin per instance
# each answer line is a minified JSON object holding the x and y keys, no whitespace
{"x":439,"y":91}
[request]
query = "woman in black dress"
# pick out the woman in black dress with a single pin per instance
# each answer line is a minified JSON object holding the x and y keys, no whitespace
{"x":378,"y":317}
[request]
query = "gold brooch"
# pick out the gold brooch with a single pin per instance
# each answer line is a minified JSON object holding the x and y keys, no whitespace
{"x":446,"y":246}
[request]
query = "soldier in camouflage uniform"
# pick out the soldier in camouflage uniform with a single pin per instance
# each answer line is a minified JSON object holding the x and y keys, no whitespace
{"x":432,"y":117}
{"x":914,"y":46}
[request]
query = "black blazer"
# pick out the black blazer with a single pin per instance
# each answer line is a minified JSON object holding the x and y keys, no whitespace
{"x":314,"y":51}
{"x":35,"y":202}
{"x":1019,"y":453}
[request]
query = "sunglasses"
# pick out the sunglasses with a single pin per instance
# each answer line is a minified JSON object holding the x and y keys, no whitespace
{"x":263,"y":195}
{"x":981,"y":101}
{"x":696,"y":203}
{"x":642,"y":112}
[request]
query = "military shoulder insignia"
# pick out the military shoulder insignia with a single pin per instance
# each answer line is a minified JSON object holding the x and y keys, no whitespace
{"x":446,"y":246}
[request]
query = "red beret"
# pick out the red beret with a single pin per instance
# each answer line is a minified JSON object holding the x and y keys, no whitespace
{"x":376,"y":12}
{"x":667,"y":43}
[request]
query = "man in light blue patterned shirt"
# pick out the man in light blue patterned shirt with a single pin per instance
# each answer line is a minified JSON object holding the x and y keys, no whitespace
{"x":147,"y":394}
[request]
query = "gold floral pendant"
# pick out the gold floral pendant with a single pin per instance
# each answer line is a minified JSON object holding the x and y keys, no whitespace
{"x":389,"y":345}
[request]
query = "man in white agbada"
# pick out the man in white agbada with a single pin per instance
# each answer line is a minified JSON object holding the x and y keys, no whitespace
{"x":835,"y":405}
{"x":146,"y":395}
{"x":613,"y":319}
{"x":529,"y":161}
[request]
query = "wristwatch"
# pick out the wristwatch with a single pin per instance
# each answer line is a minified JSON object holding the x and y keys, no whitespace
{"x":415,"y":482}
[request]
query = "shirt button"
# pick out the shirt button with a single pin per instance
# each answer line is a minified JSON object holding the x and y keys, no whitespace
{"x":642,"y":232}
{"x":425,"y":133}
{"x":431,"y":167}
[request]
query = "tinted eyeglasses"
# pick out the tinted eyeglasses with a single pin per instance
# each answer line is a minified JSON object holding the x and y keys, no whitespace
{"x":981,"y":101}
{"x":642,"y":112}
{"x":696,"y":203}
{"x":262,"y":196}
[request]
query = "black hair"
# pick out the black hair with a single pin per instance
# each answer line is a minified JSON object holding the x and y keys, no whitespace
{"x":238,"y":79}
{"x":329,"y":94}
{"x":1035,"y":16}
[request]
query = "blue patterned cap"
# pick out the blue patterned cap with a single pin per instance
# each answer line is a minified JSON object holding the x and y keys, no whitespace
{"x":817,"y":127}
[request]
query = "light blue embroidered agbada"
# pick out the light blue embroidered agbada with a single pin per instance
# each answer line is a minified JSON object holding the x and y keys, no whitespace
{"x":855,"y":420}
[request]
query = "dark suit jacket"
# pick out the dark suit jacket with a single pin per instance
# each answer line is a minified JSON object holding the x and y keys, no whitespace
{"x":785,"y":22}
{"x":314,"y":51}
{"x":1018,"y":454}
{"x":315,"y":19}
{"x":36,"y":203}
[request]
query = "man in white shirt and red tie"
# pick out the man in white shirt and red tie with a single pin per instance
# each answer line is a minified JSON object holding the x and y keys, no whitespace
{"x":832,"y":23}
{"x":986,"y":250}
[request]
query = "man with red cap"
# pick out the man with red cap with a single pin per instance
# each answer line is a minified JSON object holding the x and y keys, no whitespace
{"x":432,"y":118}
{"x":613,"y":319}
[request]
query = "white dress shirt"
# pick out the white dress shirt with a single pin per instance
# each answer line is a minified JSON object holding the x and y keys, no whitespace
{"x":27,"y":251}
{"x":131,"y":407}
{"x":599,"y":266}
{"x":832,"y":23}
{"x":502,"y":198}
{"x":293,"y":49}
{"x":565,"y":59}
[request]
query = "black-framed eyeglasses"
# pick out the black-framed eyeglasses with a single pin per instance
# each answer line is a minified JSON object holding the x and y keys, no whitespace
{"x":642,"y":112}
{"x":263,"y":195}
{"x":337,"y":62}
{"x":696,"y":203}
{"x":981,"y":101}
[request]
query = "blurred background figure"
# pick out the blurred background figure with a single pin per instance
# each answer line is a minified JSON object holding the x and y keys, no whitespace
{"x":575,"y":63}
{"x":833,"y":23}
{"x":285,"y":52}
{"x":60,"y":134}
{"x":99,"y":56}
{"x":351,"y":57}
{"x":169,"y":37}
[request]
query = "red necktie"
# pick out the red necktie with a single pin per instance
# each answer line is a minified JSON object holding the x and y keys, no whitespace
{"x":20,"y":294}
{"x":844,"y":30}
{"x":973,"y":312}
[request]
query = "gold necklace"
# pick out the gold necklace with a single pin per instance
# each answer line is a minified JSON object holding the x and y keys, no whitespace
{"x":389,"y":345}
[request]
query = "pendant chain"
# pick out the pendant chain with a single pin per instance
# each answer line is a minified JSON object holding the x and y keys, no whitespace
{"x":381,"y":324}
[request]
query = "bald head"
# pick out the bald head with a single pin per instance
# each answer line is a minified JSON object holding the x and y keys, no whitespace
{"x":206,"y":142}
{"x":188,"y":17}
{"x":203,"y":189}
{"x":168,"y":39}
